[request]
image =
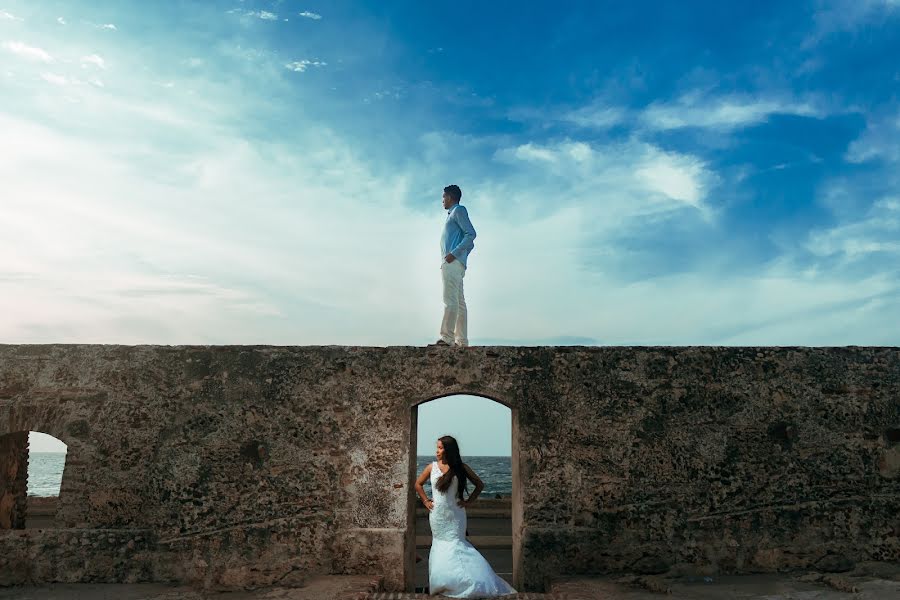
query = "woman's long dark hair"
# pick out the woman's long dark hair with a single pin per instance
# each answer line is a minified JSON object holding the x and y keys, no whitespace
{"x":452,"y":458}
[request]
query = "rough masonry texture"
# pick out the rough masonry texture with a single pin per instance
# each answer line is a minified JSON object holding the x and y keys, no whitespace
{"x":242,"y":466}
{"x":13,"y":480}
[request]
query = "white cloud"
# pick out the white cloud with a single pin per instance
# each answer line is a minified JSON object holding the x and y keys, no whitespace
{"x":725,"y":113}
{"x":54,"y":79}
{"x":642,"y":174}
{"x":676,"y":176}
{"x":256,"y":14}
{"x":28,"y":52}
{"x":155,"y":241}
{"x":877,"y":232}
{"x":878,"y":141}
{"x":596,"y":116}
{"x":6,"y":16}
{"x":300,"y":66}
{"x":695,"y":109}
{"x":532,"y":152}
{"x":310,"y":15}
{"x":93,"y":59}
{"x":848,"y":15}
{"x":60,"y":233}
{"x":109,"y":26}
{"x":186,"y":259}
{"x":773,"y":306}
{"x":61,"y":21}
{"x":563,"y":153}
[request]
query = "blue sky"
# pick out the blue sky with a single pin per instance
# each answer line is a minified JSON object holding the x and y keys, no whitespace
{"x":482,"y":427}
{"x":271,"y":172}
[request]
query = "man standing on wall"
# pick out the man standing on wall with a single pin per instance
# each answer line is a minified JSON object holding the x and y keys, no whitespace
{"x":457,"y":241}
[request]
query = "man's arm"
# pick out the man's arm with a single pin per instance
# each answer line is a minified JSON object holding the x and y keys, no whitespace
{"x":461,"y":215}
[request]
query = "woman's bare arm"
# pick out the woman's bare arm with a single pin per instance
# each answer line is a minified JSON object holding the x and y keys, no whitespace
{"x":479,"y":484}
{"x":420,"y":486}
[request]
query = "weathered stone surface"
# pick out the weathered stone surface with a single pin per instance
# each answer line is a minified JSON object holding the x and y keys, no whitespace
{"x":346,"y":587}
{"x":82,"y":555}
{"x":353,"y":552}
{"x":834,"y":563}
{"x":816,"y":586}
{"x":13,"y":480}
{"x":257,"y":465}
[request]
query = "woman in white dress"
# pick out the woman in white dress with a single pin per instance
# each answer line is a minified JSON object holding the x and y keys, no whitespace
{"x":455,"y":568}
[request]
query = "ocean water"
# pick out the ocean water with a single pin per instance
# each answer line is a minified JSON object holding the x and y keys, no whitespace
{"x":45,"y":471}
{"x":494,"y":471}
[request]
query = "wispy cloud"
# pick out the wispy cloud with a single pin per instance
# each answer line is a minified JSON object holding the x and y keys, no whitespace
{"x":109,"y":26}
{"x":61,"y":21}
{"x":310,"y":15}
{"x":878,"y":141}
{"x":264,"y":15}
{"x":28,"y":52}
{"x":878,"y":232}
{"x":640,"y":173}
{"x":700,"y":109}
{"x":676,"y":176}
{"x":55,"y":79}
{"x":300,"y":66}
{"x":93,"y":59}
{"x":641,"y":233}
{"x":596,"y":116}
{"x":849,"y":15}
{"x":718,"y":112}
{"x":6,"y":16}
{"x":304,"y":190}
{"x":255,"y":14}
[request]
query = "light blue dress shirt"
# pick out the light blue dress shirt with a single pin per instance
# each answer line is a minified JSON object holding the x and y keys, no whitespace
{"x":458,"y":238}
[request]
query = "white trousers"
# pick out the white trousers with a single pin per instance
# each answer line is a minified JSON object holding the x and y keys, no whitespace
{"x":454,"y":327}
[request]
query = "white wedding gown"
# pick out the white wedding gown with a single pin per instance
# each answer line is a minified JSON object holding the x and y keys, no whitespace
{"x":455,"y":568}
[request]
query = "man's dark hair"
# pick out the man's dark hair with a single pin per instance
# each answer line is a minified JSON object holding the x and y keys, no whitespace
{"x":454,"y":192}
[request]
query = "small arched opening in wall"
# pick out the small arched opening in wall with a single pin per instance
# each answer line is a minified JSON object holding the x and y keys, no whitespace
{"x":486,"y":428}
{"x":31,"y":472}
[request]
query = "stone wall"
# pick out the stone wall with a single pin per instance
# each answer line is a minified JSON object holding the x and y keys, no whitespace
{"x":13,"y":480}
{"x":260,"y":465}
{"x":82,"y":556}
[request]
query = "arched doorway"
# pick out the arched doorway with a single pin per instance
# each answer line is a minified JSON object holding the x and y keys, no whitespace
{"x":486,"y":430}
{"x":31,"y":472}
